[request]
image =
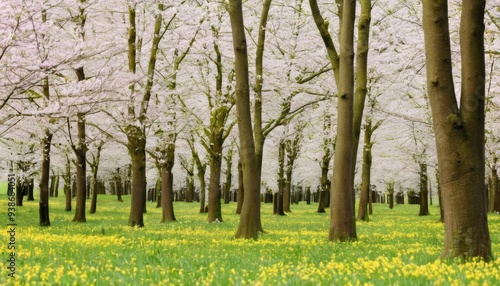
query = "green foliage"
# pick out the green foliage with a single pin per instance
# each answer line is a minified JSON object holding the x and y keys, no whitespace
{"x":395,"y":247}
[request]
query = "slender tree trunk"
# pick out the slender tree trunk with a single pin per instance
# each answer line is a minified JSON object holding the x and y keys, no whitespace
{"x":67,"y":184}
{"x":201,"y":179}
{"x":81,"y":163}
{"x":362,"y":48}
{"x":459,"y":132}
{"x":343,"y":223}
{"x":241,"y":193}
{"x":424,"y":194}
{"x":494,"y":203}
{"x":250,"y":223}
{"x":279,"y":198}
{"x":366,"y":173}
{"x":229,"y":176}
{"x":214,"y":212}
{"x":95,"y":180}
{"x":44,"y":180}
{"x":325,"y":166}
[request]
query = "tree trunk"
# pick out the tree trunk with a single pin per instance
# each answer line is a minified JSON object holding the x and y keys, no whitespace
{"x":323,"y":194}
{"x":343,"y":223}
{"x":229,"y":176}
{"x":241,"y":194}
{"x":365,"y":174}
{"x":494,"y":203}
{"x":30,"y":194}
{"x":67,"y":184}
{"x":95,"y":187}
{"x":190,"y":190}
{"x":167,"y":185}
{"x":52,"y":185}
{"x":459,"y":132}
{"x":250,"y":223}
{"x":136,"y":148}
{"x":214,"y":204}
{"x":22,"y":187}
{"x":390,"y":193}
{"x":424,"y":194}
{"x":118,"y":186}
{"x":44,"y":180}
{"x":279,"y":197}
{"x":81,"y":166}
{"x":201,"y":178}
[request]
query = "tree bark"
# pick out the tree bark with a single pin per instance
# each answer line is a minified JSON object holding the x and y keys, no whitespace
{"x":459,"y":132}
{"x":343,"y":223}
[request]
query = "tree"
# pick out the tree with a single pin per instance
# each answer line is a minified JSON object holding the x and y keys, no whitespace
{"x":343,"y":223}
{"x":328,"y":147}
{"x":250,"y":224}
{"x":459,"y":128}
{"x":80,"y":150}
{"x":366,"y":170}
{"x":278,"y":196}
{"x":94,"y":166}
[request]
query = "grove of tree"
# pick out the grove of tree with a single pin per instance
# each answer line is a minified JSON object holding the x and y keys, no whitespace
{"x":272,"y":95}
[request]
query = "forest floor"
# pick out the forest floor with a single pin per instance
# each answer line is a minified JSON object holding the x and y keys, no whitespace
{"x":396,"y":247}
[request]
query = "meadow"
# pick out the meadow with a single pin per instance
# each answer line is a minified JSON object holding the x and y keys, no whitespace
{"x":396,"y":247}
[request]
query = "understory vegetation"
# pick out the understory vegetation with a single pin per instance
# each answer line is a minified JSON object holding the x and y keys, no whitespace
{"x":396,"y":247}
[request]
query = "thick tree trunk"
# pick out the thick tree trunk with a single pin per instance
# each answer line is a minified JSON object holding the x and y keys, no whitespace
{"x":22,"y":187}
{"x":343,"y":222}
{"x":214,"y":204}
{"x":459,"y":132}
{"x":136,"y":147}
{"x":81,"y":166}
{"x":44,"y":180}
{"x":250,"y":223}
{"x":167,"y":186}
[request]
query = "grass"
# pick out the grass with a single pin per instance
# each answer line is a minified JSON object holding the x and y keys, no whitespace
{"x":396,"y":247}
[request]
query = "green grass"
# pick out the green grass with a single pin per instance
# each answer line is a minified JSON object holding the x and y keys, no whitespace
{"x":395,"y":247}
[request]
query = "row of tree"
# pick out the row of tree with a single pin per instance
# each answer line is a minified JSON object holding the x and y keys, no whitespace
{"x":168,"y":82}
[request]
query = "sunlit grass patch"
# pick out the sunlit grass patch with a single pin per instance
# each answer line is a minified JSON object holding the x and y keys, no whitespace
{"x":397,"y":247}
